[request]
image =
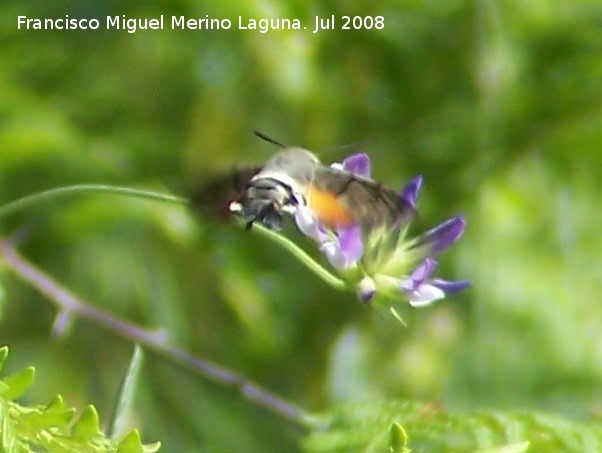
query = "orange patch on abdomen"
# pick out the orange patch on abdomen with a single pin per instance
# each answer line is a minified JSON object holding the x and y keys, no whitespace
{"x":328,"y":208}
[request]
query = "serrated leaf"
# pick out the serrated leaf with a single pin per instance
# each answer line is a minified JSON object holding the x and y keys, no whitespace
{"x":86,"y":427}
{"x":56,"y":404}
{"x":50,"y":428}
{"x":127,"y":394}
{"x":45,"y":419}
{"x":3,"y":355}
{"x":131,"y":443}
{"x":18,"y":383}
{"x":57,"y":444}
{"x":359,"y":427}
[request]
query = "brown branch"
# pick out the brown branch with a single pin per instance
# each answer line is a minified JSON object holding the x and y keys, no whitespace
{"x":157,"y":341}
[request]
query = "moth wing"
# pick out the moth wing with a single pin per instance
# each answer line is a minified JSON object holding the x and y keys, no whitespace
{"x":364,"y":200}
{"x":213,"y":198}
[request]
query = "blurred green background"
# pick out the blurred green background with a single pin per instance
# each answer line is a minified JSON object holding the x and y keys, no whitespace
{"x":497,"y":103}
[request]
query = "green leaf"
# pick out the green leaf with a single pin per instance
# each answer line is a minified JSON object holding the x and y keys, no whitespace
{"x":86,"y":427}
{"x":359,"y":427}
{"x":40,"y":418}
{"x":25,"y":429}
{"x":131,"y":443}
{"x":127,"y":394}
{"x":398,"y":439}
{"x":18,"y":383}
{"x":56,"y":404}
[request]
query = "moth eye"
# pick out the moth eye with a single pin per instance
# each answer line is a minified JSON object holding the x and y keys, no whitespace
{"x":295,"y":200}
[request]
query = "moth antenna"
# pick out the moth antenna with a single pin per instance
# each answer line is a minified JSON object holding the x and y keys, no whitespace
{"x":268,"y":139}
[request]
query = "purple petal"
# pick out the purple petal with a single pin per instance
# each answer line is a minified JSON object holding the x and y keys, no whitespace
{"x":419,"y":276}
{"x":308,"y":225}
{"x":425,"y":295}
{"x":437,"y":239}
{"x":350,"y":241}
{"x":333,"y":254}
{"x":424,"y":271}
{"x":450,"y":287}
{"x":407,"y":285}
{"x":346,"y":250}
{"x":358,"y":164}
{"x":410,"y":192}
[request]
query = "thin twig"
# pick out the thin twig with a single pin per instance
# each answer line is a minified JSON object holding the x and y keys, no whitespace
{"x":68,"y":303}
{"x":38,"y":197}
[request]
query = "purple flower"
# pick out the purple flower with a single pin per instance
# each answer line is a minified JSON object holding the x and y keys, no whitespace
{"x":439,"y":238}
{"x":342,"y":250}
{"x":350,"y":237}
{"x":358,"y":164}
{"x":450,"y":287}
{"x":346,"y":248}
{"x":383,"y":269}
{"x":309,"y":225}
{"x":350,"y":240}
{"x":421,"y":291}
{"x":366,"y":289}
{"x":410,"y":192}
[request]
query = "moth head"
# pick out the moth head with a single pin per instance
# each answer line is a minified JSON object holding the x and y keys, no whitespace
{"x":265,"y":200}
{"x":277,"y":188}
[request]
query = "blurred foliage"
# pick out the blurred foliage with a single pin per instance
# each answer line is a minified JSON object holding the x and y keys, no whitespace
{"x":53,"y":428}
{"x":497,"y":103}
{"x":369,"y":427}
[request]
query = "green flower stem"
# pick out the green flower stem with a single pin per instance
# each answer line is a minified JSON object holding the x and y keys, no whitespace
{"x":30,"y":200}
{"x":284,"y":242}
{"x":154,"y":340}
{"x":302,"y":256}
